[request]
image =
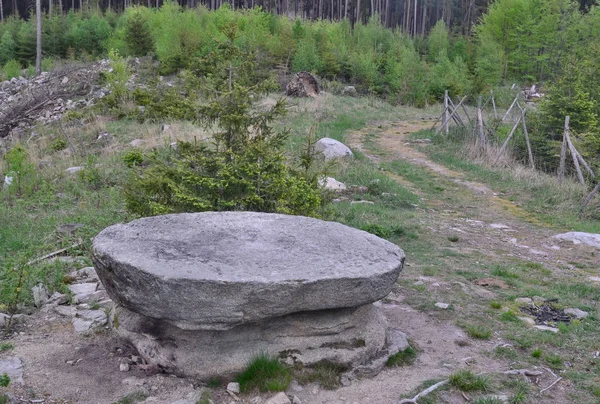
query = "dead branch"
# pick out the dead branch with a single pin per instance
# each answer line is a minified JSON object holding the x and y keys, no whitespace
{"x":563,"y":152}
{"x":55,"y":253}
{"x":547,"y":388}
{"x":455,"y":111}
{"x":511,"y":107}
{"x":424,"y":393}
{"x":574,"y":157}
{"x":589,"y":198}
{"x":524,"y":372}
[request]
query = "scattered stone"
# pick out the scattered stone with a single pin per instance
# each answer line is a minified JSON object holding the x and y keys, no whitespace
{"x":83,"y":292}
{"x":397,"y":341}
{"x":442,"y":305}
{"x":279,"y":398}
{"x":499,"y":226}
{"x":332,"y":184}
{"x":594,"y":278}
{"x":66,"y":311}
{"x":296,"y":400}
{"x":87,"y":274}
{"x":87,"y":320}
{"x":332,"y":149}
{"x":73,"y":170}
{"x":577,"y":237}
{"x":362,"y":203}
{"x":527,"y":320}
{"x":124,"y":367}
{"x":577,"y":313}
{"x":295,"y":386}
{"x":302,"y":84}
{"x":349,"y":90}
{"x":13,"y":367}
{"x":523,"y":300}
{"x":546,"y":328}
{"x":40,"y":295}
{"x":233,"y":387}
{"x":136,"y":142}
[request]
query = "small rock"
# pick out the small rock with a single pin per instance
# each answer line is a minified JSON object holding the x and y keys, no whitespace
{"x":332,"y":184}
{"x":577,"y":237}
{"x":579,"y":314}
{"x":40,"y":295}
{"x":546,"y":328}
{"x":279,"y":398}
{"x":538,"y":299}
{"x":442,"y":305}
{"x":73,"y":170}
{"x":362,"y":202}
{"x":233,"y":387}
{"x":315,"y":390}
{"x":256,"y":400}
{"x":419,"y":283}
{"x":594,"y":278}
{"x":124,"y":367}
{"x":396,"y":340}
{"x":133,"y":381}
{"x":295,"y":386}
{"x":81,"y":291}
{"x":165,"y":128}
{"x":88,"y":273}
{"x":523,"y":300}
{"x":70,"y":363}
{"x":332,"y":149}
{"x":349,"y":90}
{"x":296,"y":400}
{"x":13,"y":367}
{"x":527,"y":320}
{"x":87,"y":320}
{"x":499,"y":226}
{"x":136,"y":142}
{"x":66,"y":311}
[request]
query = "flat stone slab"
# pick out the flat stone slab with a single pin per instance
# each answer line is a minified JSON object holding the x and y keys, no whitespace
{"x":578,"y":237}
{"x":217,"y":270}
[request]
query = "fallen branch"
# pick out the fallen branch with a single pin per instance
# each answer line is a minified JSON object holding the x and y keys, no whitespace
{"x":424,"y":393}
{"x":547,"y":388}
{"x":55,"y":253}
{"x":524,"y":372}
{"x":551,"y":372}
{"x":591,"y":196}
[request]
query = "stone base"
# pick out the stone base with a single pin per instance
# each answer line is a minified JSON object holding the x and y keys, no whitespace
{"x":356,"y":338}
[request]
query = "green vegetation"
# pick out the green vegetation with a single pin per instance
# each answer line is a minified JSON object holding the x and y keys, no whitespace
{"x":325,"y":373}
{"x":133,"y":398}
{"x":478,"y":331}
{"x":465,"y":380}
{"x":6,"y":346}
{"x":264,"y":373}
{"x":4,"y":380}
{"x":403,"y":358}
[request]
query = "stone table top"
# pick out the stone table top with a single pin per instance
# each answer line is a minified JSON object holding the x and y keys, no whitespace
{"x":215,"y":270}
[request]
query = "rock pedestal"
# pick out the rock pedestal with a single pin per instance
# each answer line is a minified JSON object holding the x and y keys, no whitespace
{"x":200,"y":294}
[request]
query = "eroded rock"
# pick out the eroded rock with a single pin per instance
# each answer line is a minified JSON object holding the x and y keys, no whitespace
{"x":577,"y":237}
{"x":332,"y":149}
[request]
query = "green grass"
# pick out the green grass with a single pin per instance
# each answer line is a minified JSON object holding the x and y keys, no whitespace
{"x":478,"y":331}
{"x":264,"y":373}
{"x":325,"y":373}
{"x":133,"y":398}
{"x":465,"y":380}
{"x":403,"y":358}
{"x":537,"y":353}
{"x":496,"y":305}
{"x":6,"y":346}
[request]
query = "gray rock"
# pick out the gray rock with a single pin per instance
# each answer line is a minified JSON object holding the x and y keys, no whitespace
{"x":362,"y":203}
{"x":87,"y":274}
{"x":577,"y":237}
{"x":73,"y":170}
{"x":136,"y":142}
{"x":57,"y":298}
{"x":546,"y":328}
{"x":233,"y":387}
{"x":213,"y":271}
{"x":341,"y":336}
{"x":40,"y":295}
{"x":523,"y":300}
{"x":442,"y":305}
{"x":66,"y":311}
{"x":88,"y":320}
{"x":332,"y":184}
{"x":577,"y":313}
{"x":349,"y":90}
{"x":124,"y":367}
{"x":295,"y":386}
{"x":13,"y":368}
{"x":527,"y":320}
{"x":279,"y":398}
{"x":83,"y":292}
{"x":594,"y":278}
{"x":332,"y":149}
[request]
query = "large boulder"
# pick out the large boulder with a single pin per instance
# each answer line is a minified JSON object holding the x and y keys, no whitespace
{"x":578,"y":237}
{"x":302,"y":84}
{"x":332,"y":149}
{"x":217,"y":270}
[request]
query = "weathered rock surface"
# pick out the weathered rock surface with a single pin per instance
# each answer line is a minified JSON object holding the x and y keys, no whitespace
{"x":279,"y":398}
{"x":213,"y":271}
{"x":87,"y":320}
{"x":349,"y":90}
{"x":578,"y":237}
{"x":332,"y":184}
{"x":332,"y":149}
{"x":13,"y":367}
{"x":302,"y":84}
{"x":353,"y":337}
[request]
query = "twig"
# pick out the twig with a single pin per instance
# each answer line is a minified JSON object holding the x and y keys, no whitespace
{"x":52,"y":254}
{"x":549,"y":371}
{"x":524,"y":372}
{"x":556,"y":381}
{"x":467,"y":398}
{"x":424,"y":393}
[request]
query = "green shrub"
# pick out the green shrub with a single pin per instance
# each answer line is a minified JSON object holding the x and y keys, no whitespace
{"x":466,"y":380}
{"x":58,"y":144}
{"x":4,"y":380}
{"x":264,"y":373}
{"x":12,"y":69}
{"x":133,"y":158}
{"x":402,"y":358}
{"x":138,"y":36}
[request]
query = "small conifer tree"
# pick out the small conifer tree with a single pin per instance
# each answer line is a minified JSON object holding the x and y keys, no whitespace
{"x":138,"y":35}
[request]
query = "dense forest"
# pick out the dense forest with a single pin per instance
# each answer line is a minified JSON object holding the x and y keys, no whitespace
{"x":415,"y":17}
{"x":514,"y":44}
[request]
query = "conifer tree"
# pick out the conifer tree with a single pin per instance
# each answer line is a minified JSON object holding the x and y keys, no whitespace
{"x":138,"y":35}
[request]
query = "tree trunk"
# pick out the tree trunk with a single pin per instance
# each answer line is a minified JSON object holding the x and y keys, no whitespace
{"x":358,"y":11}
{"x":415,"y":18}
{"x":1,"y":10}
{"x":60,"y":7}
{"x":346,"y":9}
{"x":38,"y":20}
{"x":423,"y":22}
{"x":15,"y":9}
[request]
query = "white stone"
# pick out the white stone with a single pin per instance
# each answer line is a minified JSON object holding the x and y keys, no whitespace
{"x":67,"y":311}
{"x":82,"y":291}
{"x":136,"y":142}
{"x":442,"y":305}
{"x":527,"y":320}
{"x":40,"y":295}
{"x":546,"y":328}
{"x":233,"y":387}
{"x":87,"y":320}
{"x":579,"y":314}
{"x":523,"y":300}
{"x":594,"y":278}
{"x":577,"y":237}
{"x":124,"y":367}
{"x":332,"y":149}
{"x":499,"y":226}
{"x":362,"y":203}
{"x":332,"y":184}
{"x":73,"y":170}
{"x":279,"y":398}
{"x":13,"y":367}
{"x":8,"y":181}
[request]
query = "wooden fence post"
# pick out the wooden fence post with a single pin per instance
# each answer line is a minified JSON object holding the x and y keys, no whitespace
{"x":446,"y":117}
{"x":574,"y":157}
{"x":529,"y":152}
{"x":563,"y":152}
{"x":480,"y":123}
{"x":511,"y":107}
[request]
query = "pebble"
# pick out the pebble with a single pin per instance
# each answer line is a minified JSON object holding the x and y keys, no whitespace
{"x":279,"y":398}
{"x":442,"y":305}
{"x":233,"y":387}
{"x":73,"y":170}
{"x":124,"y":367}
{"x":579,"y":314}
{"x":362,"y":202}
{"x":523,"y":300}
{"x":527,"y":320}
{"x":546,"y":328}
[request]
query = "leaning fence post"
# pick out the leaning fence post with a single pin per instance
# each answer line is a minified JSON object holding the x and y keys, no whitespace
{"x":446,"y":117}
{"x":563,"y":152}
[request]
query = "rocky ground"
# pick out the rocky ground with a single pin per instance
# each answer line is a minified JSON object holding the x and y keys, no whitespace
{"x":65,"y":352}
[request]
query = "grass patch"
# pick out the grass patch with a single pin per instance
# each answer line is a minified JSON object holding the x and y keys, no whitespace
{"x":536,"y":353}
{"x":325,"y":373}
{"x":6,"y":346}
{"x":465,"y":380}
{"x":554,"y":361}
{"x":264,"y":373}
{"x":133,"y":398}
{"x":478,"y":331}
{"x":402,"y":358}
{"x":496,"y":305}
